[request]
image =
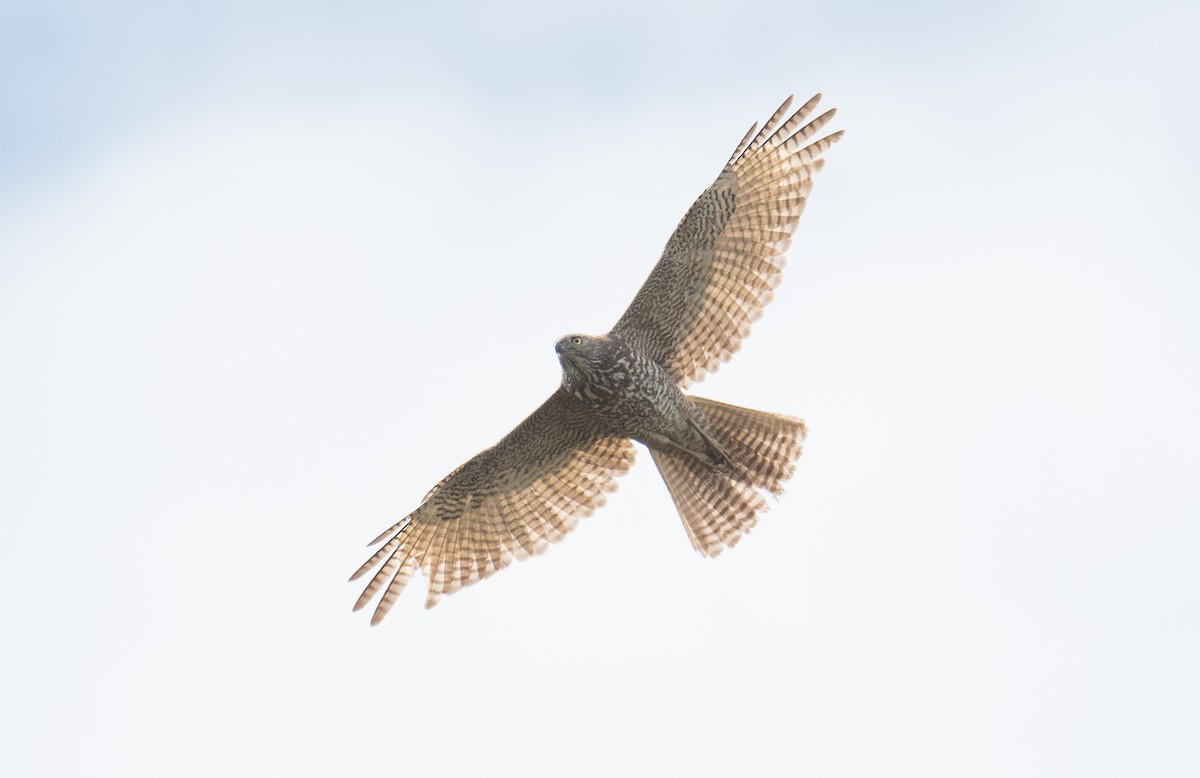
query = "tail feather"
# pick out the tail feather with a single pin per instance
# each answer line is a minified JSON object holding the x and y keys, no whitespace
{"x":762,"y":445}
{"x":719,"y":504}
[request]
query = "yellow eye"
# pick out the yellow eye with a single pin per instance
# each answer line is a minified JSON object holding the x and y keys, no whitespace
{"x":577,"y":340}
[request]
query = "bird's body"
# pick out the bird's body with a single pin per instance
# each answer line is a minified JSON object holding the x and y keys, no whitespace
{"x":628,"y":393}
{"x":718,"y":271}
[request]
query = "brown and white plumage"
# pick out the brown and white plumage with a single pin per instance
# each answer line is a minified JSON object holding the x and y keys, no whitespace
{"x":717,"y":505}
{"x":721,"y":266}
{"x":508,"y":502}
{"x":717,"y":272}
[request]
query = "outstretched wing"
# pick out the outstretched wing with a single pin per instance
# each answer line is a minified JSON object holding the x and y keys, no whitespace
{"x":510,"y":501}
{"x":726,"y":257}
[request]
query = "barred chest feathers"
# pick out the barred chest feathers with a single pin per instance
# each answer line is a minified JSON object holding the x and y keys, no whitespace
{"x":626,"y":389}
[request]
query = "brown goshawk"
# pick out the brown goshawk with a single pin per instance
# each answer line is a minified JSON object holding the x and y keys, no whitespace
{"x":717,"y":272}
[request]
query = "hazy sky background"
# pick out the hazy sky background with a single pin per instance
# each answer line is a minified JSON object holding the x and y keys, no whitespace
{"x":268,"y":271}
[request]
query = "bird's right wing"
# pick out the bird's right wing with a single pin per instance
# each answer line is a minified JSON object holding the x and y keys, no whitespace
{"x":726,"y":257}
{"x":506,"y":503}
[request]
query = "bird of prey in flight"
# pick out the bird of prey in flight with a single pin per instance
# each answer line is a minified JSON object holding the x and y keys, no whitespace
{"x":717,"y":272}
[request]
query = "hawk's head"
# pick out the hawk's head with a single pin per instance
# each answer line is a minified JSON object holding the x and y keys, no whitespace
{"x":568,"y":344}
{"x":582,"y":357}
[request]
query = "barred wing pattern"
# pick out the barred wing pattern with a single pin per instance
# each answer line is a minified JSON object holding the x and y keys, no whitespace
{"x":726,"y":257}
{"x":510,"y":501}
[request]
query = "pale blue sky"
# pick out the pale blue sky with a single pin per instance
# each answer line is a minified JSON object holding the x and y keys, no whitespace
{"x":79,"y":76}
{"x":268,"y":271}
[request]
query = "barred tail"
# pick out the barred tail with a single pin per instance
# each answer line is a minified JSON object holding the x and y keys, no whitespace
{"x":720,"y":504}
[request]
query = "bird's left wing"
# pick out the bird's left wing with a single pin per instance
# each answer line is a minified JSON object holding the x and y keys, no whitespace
{"x":510,"y":501}
{"x":724,"y":260}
